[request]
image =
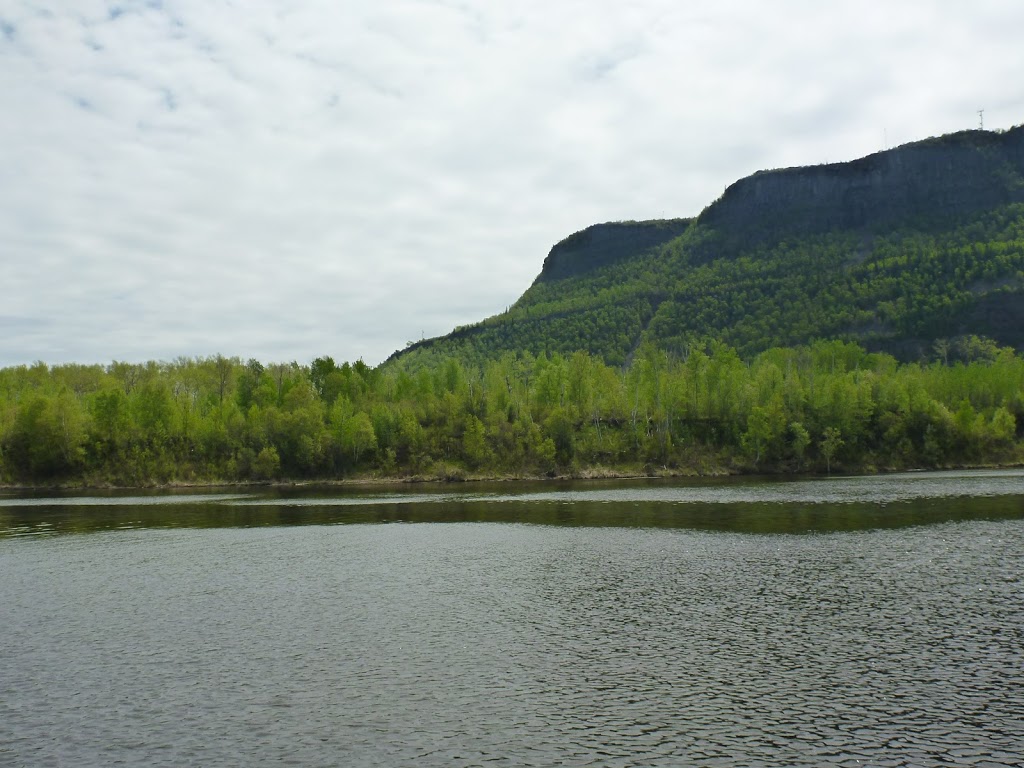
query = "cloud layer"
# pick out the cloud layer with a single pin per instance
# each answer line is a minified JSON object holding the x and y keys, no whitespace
{"x":283,"y":180}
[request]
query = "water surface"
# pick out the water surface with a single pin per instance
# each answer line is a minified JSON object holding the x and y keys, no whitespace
{"x":808,"y":623}
{"x":748,"y":505}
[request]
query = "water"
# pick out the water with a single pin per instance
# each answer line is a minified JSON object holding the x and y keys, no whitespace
{"x":863,"y":621}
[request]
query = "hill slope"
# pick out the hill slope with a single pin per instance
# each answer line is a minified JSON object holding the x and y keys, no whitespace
{"x":895,"y":251}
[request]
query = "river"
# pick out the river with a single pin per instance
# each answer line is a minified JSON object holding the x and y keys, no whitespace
{"x":753,"y":622}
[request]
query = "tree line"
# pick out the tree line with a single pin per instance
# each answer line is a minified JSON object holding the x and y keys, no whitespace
{"x":821,"y":407}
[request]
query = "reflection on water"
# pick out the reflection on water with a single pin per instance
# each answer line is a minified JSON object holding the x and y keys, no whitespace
{"x":628,"y":624}
{"x":740,"y":505}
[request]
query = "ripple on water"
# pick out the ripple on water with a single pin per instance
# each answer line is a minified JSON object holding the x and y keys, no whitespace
{"x":460,"y":645}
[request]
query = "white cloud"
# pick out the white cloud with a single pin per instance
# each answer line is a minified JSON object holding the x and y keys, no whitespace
{"x":289,"y":179}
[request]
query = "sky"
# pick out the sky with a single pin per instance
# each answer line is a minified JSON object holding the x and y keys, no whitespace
{"x":290,"y":179}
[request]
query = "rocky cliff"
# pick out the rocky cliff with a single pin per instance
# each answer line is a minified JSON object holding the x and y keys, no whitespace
{"x":932,"y":181}
{"x":604,"y":244}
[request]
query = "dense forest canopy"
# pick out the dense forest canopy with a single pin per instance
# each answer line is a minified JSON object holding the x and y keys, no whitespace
{"x":813,"y":408}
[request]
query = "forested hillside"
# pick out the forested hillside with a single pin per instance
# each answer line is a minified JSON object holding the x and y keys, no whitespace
{"x":819,"y":408}
{"x":897,"y":251}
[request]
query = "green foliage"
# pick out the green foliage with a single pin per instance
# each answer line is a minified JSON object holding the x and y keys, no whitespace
{"x":267,"y":464}
{"x":47,"y":438}
{"x":831,"y":442}
{"x":788,"y":409}
{"x":800,"y":439}
{"x":356,"y":436}
{"x":912,"y":290}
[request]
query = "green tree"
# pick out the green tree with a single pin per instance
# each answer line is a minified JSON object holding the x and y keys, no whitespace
{"x":474,"y":443}
{"x":765,"y":431}
{"x":799,"y":440}
{"x":152,"y":409}
{"x":319,"y":370}
{"x":831,"y":442}
{"x":267,"y":464}
{"x":110,"y":416}
{"x":48,"y":437}
{"x":357,"y":436}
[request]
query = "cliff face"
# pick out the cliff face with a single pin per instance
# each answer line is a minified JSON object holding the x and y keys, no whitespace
{"x":604,"y":244}
{"x":932,"y":180}
{"x":935,"y":181}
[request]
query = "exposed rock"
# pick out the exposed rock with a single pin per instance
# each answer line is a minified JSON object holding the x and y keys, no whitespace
{"x":603,"y":244}
{"x":935,"y":180}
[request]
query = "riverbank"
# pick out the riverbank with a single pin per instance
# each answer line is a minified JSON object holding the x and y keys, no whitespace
{"x":452,"y":474}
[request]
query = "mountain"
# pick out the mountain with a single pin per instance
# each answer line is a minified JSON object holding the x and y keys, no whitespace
{"x":896,"y":251}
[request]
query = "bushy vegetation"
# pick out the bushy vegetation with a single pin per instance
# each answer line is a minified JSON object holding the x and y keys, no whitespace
{"x":812,"y":408}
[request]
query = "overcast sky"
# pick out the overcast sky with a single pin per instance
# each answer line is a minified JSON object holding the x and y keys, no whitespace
{"x":285,"y":179}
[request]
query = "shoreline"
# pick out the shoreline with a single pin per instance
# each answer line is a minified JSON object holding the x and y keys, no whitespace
{"x":590,"y":473}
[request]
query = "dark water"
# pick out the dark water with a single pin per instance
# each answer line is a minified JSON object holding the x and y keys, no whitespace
{"x":863,"y":621}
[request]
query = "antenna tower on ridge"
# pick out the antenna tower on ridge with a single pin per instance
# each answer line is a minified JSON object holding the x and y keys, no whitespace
{"x":981,"y":119}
